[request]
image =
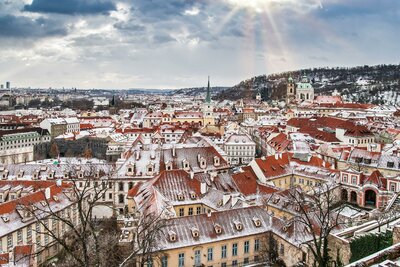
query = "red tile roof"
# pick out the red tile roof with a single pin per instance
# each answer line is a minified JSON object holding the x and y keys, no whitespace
{"x":247,"y":183}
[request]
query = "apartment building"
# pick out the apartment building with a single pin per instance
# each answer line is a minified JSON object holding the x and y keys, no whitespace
{"x":23,"y":239}
{"x":17,"y":146}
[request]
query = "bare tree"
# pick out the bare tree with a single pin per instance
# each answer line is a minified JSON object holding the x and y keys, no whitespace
{"x":320,"y":215}
{"x":145,"y":246}
{"x":84,"y":240}
{"x":80,"y":236}
{"x":269,"y":251}
{"x":54,"y":151}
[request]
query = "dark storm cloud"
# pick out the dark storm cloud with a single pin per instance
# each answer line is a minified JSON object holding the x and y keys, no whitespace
{"x":70,"y":7}
{"x":23,"y":27}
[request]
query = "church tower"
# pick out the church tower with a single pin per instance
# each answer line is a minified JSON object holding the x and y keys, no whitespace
{"x":290,"y":90}
{"x":258,"y":96}
{"x":208,"y":108}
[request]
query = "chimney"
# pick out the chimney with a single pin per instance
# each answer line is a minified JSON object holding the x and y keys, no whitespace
{"x":213,"y":175}
{"x":47,"y":193}
{"x":203,"y":188}
{"x":208,"y":213}
{"x":262,"y":157}
{"x":280,"y":155}
{"x":191,"y":175}
{"x":59,"y":182}
{"x":276,"y":156}
{"x":173,"y":151}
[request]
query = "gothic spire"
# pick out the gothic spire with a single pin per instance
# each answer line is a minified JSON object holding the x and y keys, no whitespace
{"x":208,"y":97}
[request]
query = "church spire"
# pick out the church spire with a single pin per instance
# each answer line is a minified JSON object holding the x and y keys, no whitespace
{"x":208,"y":97}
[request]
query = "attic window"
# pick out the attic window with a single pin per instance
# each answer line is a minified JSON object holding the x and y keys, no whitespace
{"x":172,"y":236}
{"x":80,"y":175}
{"x":390,"y":164}
{"x":55,"y":198}
{"x":256,"y":221}
{"x":275,"y":200}
{"x":218,"y":229}
{"x":216,"y":161}
{"x":181,"y":197}
{"x":65,"y":175}
{"x":195,"y":232}
{"x":5,"y":219}
{"x":297,"y":208}
{"x":238,"y":225}
{"x":43,"y":203}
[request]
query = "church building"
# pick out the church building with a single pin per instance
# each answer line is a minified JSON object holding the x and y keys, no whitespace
{"x":302,"y":91}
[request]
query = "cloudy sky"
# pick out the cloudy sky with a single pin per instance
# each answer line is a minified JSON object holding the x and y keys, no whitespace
{"x":177,"y":43}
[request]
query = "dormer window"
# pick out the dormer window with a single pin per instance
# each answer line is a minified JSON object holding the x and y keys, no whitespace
{"x":65,"y":175}
{"x":168,"y":165}
{"x":275,"y":200}
{"x":195,"y":232}
{"x":185,"y":164}
{"x":150,"y":169}
{"x":216,"y":161}
{"x":390,"y":164}
{"x":172,"y":236}
{"x":256,"y":221}
{"x":192,"y":195}
{"x":5,"y":218}
{"x":55,"y":198}
{"x":80,"y":175}
{"x":43,"y":203}
{"x":238,"y":225}
{"x":218,"y":229}
{"x":181,"y":197}
{"x":203,"y":163}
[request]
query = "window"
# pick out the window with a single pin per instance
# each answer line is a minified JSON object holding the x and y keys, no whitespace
{"x":209,"y":254}
{"x":120,"y":198}
{"x":9,"y":241}
{"x":246,"y":246}
{"x":181,"y":212}
{"x":181,"y":260}
{"x":257,"y":245}
{"x":344,"y":179}
{"x":354,"y":179}
{"x":246,"y":261}
{"x":121,"y":186}
{"x":19,"y":236}
{"x":234,"y":249}
{"x":282,"y":250}
{"x":164,"y":261}
{"x":190,"y":211}
{"x":198,"y":210}
{"x":223,"y":264}
{"x":197,"y":258}
{"x":149,"y":263}
{"x":223,"y":252}
{"x":392,"y":187}
{"x":234,"y":263}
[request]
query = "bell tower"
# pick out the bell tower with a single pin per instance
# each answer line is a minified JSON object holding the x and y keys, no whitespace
{"x":208,"y":108}
{"x":290,"y":90}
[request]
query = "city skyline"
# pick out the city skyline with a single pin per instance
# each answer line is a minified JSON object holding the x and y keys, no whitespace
{"x":175,"y":44}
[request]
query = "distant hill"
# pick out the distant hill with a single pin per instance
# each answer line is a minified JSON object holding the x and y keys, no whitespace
{"x":378,"y":84}
{"x":195,"y":91}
